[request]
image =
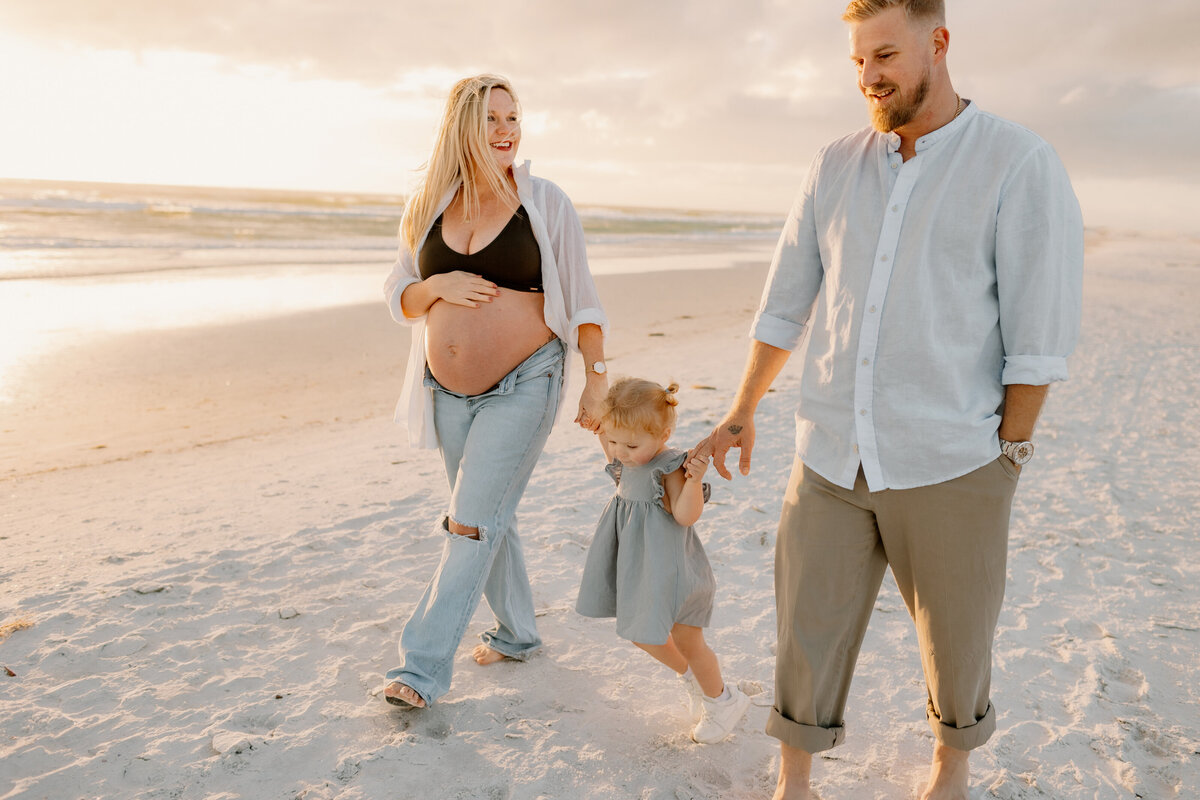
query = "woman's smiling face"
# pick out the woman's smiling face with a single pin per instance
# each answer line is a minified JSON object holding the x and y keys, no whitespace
{"x":503,"y":128}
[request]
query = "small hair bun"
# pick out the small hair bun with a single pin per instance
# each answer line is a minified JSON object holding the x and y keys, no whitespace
{"x":671,"y":399}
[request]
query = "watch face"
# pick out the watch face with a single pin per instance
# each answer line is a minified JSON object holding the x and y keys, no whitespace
{"x":599,"y":368}
{"x":1021,"y":452}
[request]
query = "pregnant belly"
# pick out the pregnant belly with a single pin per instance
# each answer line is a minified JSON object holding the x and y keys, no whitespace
{"x":470,"y":349}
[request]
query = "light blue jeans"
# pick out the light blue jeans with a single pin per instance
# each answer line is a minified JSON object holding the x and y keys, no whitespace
{"x":490,"y":443}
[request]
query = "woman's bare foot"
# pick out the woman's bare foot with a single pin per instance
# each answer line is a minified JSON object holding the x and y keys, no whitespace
{"x":398,"y":694}
{"x":485,"y":655}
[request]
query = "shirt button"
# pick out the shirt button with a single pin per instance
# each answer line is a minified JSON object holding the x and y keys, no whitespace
{"x":866,"y":361}
{"x":894,"y":165}
{"x":862,"y":412}
{"x":895,"y":208}
{"x":883,"y":257}
{"x":871,"y":309}
{"x":856,"y":448}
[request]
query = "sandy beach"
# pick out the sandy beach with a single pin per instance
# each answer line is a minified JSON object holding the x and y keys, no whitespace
{"x":210,"y":538}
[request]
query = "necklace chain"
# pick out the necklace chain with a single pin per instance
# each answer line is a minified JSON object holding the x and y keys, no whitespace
{"x":959,"y":105}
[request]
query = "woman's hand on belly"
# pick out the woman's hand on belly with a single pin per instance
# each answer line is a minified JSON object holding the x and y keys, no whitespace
{"x":457,"y":288}
{"x":470,"y":349}
{"x":463,"y":288}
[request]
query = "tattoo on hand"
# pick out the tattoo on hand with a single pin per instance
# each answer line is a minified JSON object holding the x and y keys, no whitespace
{"x":734,"y":429}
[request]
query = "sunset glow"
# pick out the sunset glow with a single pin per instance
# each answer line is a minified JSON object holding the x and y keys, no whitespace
{"x":725,"y":115}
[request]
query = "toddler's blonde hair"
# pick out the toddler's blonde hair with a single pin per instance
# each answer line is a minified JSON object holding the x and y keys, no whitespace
{"x":636,"y":404}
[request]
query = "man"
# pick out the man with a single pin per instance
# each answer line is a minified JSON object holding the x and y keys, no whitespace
{"x":934,"y":262}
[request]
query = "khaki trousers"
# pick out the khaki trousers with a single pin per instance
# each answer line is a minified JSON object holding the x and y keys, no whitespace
{"x":947,"y":547}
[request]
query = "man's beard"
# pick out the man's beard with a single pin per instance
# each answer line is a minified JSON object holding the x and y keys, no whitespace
{"x":901,"y":110}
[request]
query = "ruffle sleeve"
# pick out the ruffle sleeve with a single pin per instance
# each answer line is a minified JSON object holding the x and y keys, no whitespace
{"x":613,"y":468}
{"x":671,"y":461}
{"x":665,"y":464}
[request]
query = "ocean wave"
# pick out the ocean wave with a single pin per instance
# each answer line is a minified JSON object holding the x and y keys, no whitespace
{"x":57,"y":229}
{"x":67,"y":243}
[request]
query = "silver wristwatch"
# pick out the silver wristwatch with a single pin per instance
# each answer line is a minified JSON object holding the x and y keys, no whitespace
{"x":1018,"y":452}
{"x":598,"y":367}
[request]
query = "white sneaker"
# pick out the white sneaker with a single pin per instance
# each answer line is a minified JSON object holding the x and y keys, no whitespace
{"x":694,"y":696}
{"x":718,"y":718}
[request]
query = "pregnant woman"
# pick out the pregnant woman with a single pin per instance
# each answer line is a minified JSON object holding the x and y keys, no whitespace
{"x":493,"y":277}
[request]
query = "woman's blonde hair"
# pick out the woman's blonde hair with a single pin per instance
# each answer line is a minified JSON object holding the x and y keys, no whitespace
{"x":635,"y":404}
{"x":461,"y":153}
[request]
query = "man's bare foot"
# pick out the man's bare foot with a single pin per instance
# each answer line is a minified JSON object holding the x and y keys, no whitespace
{"x":795,"y":771}
{"x":485,"y":655}
{"x":398,"y":694}
{"x":947,"y":774}
{"x":791,"y":790}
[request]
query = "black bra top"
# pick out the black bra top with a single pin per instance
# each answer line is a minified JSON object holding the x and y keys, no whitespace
{"x":511,"y":260}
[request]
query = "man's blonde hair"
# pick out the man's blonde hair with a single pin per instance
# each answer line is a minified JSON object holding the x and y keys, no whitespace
{"x":636,"y":404}
{"x":461,"y":153}
{"x":928,"y":10}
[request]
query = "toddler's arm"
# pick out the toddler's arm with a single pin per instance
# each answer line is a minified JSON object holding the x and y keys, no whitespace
{"x":685,"y":490}
{"x":603,"y":439}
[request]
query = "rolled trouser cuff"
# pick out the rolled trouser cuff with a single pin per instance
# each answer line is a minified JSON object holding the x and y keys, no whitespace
{"x":519,"y":654}
{"x":963,"y":738}
{"x":809,"y":738}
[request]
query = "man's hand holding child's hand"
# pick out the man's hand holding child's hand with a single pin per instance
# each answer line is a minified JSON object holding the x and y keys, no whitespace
{"x":695,"y":467}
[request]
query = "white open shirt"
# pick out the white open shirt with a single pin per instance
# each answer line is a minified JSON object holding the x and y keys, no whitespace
{"x":570,"y":293}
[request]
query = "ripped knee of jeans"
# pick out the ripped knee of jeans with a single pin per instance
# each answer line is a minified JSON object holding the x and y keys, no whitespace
{"x":453,"y":526}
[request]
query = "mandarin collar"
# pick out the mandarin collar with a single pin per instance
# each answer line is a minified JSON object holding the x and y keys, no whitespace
{"x":933,"y":137}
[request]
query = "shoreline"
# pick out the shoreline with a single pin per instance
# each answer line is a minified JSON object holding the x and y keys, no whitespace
{"x":111,"y":372}
{"x":125,"y":394}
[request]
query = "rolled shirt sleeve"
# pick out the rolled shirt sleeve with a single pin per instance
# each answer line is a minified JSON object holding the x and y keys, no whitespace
{"x":1039,"y":270}
{"x":580,"y":298}
{"x":404,"y":270}
{"x":795,"y":275}
{"x":402,"y":276}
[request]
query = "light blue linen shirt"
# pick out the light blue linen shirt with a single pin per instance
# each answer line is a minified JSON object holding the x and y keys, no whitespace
{"x":924,"y":287}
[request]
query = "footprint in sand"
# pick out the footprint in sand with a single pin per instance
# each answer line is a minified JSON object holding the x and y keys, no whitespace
{"x":437,"y":729}
{"x":347,"y":770}
{"x":123,"y":647}
{"x":232,"y":742}
{"x":1122,"y":683}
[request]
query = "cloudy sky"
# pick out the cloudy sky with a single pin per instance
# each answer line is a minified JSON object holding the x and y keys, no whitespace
{"x":664,"y":103}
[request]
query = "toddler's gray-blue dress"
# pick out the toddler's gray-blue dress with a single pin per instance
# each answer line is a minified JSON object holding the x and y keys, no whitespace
{"x":643,"y":567}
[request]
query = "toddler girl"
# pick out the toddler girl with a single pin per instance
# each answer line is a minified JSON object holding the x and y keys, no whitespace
{"x":645,"y":565}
